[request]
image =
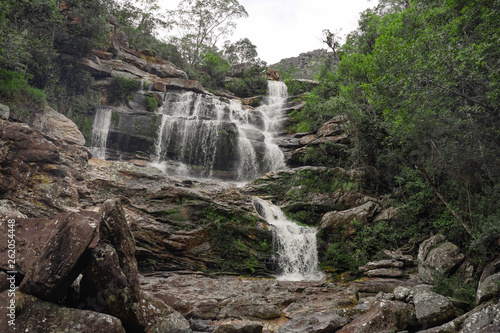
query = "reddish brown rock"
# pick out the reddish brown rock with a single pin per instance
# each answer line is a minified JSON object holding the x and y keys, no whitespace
{"x":63,"y":258}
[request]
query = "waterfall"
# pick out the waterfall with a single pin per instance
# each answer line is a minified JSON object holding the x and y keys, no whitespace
{"x":100,"y":130}
{"x":272,"y":112}
{"x":202,"y":132}
{"x":295,"y":245}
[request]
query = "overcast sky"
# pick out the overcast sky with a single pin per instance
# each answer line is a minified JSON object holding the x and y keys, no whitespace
{"x":285,"y":28}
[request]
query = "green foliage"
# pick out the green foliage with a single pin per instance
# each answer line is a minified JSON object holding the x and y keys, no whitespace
{"x":455,"y":287}
{"x":215,"y":69}
{"x":120,"y":90}
{"x":250,"y":84}
{"x":115,"y":119}
{"x":340,"y":257}
{"x":151,"y":103}
{"x":15,"y":89}
{"x":329,"y":154}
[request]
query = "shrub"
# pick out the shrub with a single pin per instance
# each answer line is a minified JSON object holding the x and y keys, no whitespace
{"x":14,"y":88}
{"x":120,"y":89}
{"x":151,"y":103}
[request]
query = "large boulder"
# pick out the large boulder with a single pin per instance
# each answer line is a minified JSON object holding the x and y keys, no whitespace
{"x":110,"y":282}
{"x":382,"y":316}
{"x":437,"y":256}
{"x":56,"y":125}
{"x":337,"y":220}
{"x":63,"y":258}
{"x":489,"y":282}
{"x":35,"y":315}
{"x":314,"y":323}
{"x":433,"y":309}
{"x":40,"y":175}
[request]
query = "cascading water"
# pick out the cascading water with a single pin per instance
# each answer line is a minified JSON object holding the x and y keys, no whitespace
{"x":295,"y":245}
{"x":272,"y":112}
{"x":100,"y":131}
{"x":195,"y":130}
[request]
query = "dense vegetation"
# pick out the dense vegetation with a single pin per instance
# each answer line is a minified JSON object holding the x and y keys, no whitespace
{"x":420,"y":84}
{"x":41,"y":42}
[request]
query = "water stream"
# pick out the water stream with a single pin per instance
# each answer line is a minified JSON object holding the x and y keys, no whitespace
{"x":100,"y":131}
{"x":295,"y":245}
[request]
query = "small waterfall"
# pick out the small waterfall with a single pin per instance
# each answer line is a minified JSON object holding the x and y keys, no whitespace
{"x":272,"y":112}
{"x":295,"y":245}
{"x":100,"y":130}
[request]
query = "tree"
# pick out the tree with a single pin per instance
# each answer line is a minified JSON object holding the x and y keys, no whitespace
{"x":240,"y":52}
{"x":201,"y":24}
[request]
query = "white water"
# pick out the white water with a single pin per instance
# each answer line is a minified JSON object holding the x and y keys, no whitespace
{"x":191,"y":126}
{"x":272,"y":112}
{"x":100,"y":131}
{"x":295,"y":245}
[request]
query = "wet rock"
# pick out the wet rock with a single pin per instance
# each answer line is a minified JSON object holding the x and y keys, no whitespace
{"x":315,"y":323}
{"x":35,"y":315}
{"x":383,"y":316}
{"x":436,"y":255}
{"x":433,"y":309}
{"x":63,"y":258}
{"x":489,"y":282}
{"x":243,"y":327}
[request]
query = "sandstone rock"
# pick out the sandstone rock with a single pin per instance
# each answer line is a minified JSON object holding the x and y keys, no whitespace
{"x":381,"y":264}
{"x":63,"y":257}
{"x":383,"y":316}
{"x":315,"y":323}
{"x":124,"y":75}
{"x":403,"y":294}
{"x":435,"y":255}
{"x":4,"y":112}
{"x":239,"y":328}
{"x":385,"y":272}
{"x":237,"y":70}
{"x":95,"y":69}
{"x":387,"y":214}
{"x":125,"y":67}
{"x":40,"y":175}
{"x":190,"y":85}
{"x":489,"y":282}
{"x":433,"y":309}
{"x":56,"y":125}
{"x":272,"y":74}
{"x":332,"y":127}
{"x":487,"y":320}
{"x":35,"y":315}
{"x":376,"y":285}
{"x":250,"y":306}
{"x":336,"y":220}
{"x":407,"y":259}
{"x":111,"y":281}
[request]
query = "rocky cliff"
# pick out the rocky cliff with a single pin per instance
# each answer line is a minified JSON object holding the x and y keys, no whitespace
{"x":306,"y":65}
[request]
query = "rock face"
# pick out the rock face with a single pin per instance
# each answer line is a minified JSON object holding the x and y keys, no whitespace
{"x":436,"y":255}
{"x":306,"y":65}
{"x":40,"y":175}
{"x":55,"y":125}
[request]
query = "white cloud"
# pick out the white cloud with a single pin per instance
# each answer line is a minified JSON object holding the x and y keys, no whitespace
{"x":285,"y":28}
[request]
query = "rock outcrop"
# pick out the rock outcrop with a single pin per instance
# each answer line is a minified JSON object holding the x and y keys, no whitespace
{"x":437,"y":256}
{"x":306,"y":65}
